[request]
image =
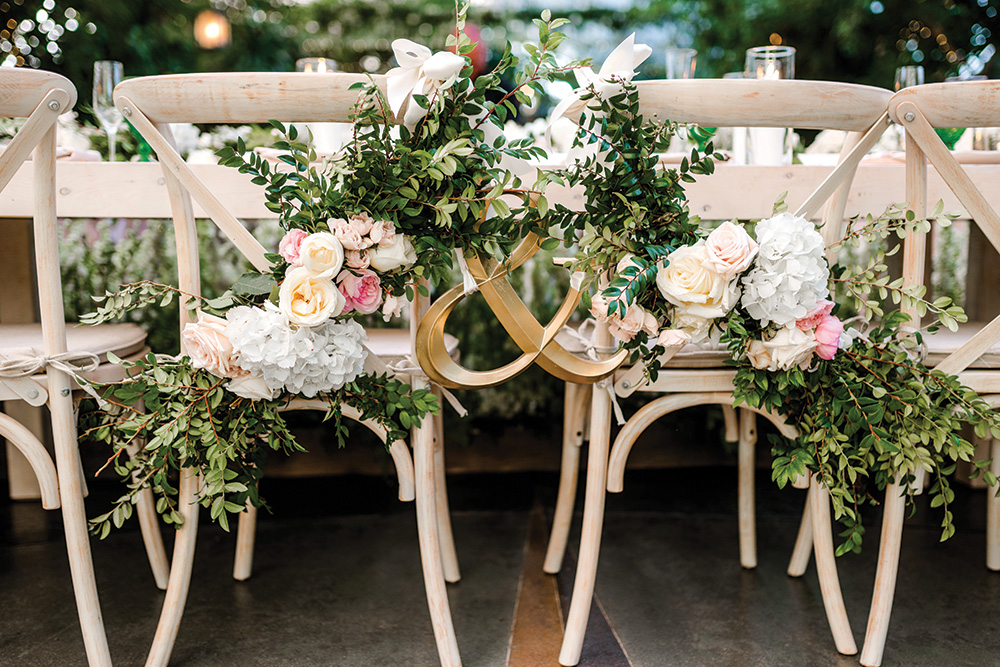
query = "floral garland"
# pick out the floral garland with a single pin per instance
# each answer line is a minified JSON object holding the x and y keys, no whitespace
{"x":868,"y":411}
{"x":363,"y":230}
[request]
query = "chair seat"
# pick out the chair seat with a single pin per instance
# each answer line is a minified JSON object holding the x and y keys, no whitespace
{"x":393,"y":345}
{"x":944,"y":342}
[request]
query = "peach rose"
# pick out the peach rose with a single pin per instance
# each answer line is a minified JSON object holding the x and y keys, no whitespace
{"x":322,"y":254}
{"x":356,"y":259}
{"x":362,"y":223}
{"x":636,"y":319}
{"x":288,"y":248}
{"x":730,"y":249}
{"x":346,"y":233}
{"x":362,"y":291}
{"x":307,"y":299}
{"x":673,"y":338}
{"x":205,"y":342}
{"x":759,"y":356}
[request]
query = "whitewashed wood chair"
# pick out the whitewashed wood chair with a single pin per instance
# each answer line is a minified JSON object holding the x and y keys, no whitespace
{"x":151,"y":104}
{"x":974,"y":351}
{"x":696,"y":377}
{"x":40,"y":363}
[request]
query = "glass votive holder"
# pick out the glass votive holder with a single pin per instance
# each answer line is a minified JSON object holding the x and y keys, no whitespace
{"x":320,"y":65}
{"x":770,"y":62}
{"x":909,"y":75}
{"x":681,"y":63}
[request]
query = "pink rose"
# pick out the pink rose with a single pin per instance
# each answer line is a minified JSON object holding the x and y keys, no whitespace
{"x":828,"y":337}
{"x":289,"y":246}
{"x":346,"y":234}
{"x":362,"y":222}
{"x":383,"y":232}
{"x":362,"y":291}
{"x":356,"y":259}
{"x":730,"y":249}
{"x":205,"y":342}
{"x":636,"y":319}
{"x":812,"y":320}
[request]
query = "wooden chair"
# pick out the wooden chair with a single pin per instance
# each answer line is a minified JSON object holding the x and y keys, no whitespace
{"x":696,"y":377}
{"x":151,"y":104}
{"x":972,"y":351}
{"x":41,"y":363}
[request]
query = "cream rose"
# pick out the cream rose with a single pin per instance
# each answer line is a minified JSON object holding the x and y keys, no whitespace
{"x":307,"y":299}
{"x":673,"y":338}
{"x":688,"y":281}
{"x":399,"y":254}
{"x":759,"y":356}
{"x":206,"y":343}
{"x":322,"y":254}
{"x":695,"y":326}
{"x":253,"y":388}
{"x":789,"y":348}
{"x":730,"y":250}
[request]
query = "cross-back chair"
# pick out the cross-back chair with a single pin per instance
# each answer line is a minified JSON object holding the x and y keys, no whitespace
{"x":42,"y":363}
{"x":972,"y":351}
{"x":699,"y":377}
{"x":151,"y":104}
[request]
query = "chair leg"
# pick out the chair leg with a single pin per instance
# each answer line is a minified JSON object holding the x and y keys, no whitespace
{"x":180,"y":572}
{"x":803,"y":543}
{"x":152,"y":538}
{"x":826,"y":569}
{"x":593,"y":523}
{"x":574,"y":413}
{"x":885,"y":576}
{"x":430,"y":546}
{"x":74,"y":514}
{"x":246,"y":537}
{"x":449,"y":556}
{"x":993,"y":514}
{"x":747,"y":510}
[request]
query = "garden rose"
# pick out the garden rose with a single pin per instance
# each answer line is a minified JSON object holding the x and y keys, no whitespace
{"x":347,"y":234}
{"x":636,"y":319}
{"x":362,"y":291}
{"x":392,"y":306}
{"x":695,"y":326}
{"x":673,"y":338}
{"x":362,"y":223}
{"x":307,"y":299}
{"x":322,"y":254}
{"x":396,"y":255}
{"x":288,"y":248}
{"x":759,"y":356}
{"x":206,"y":343}
{"x":812,"y":320}
{"x":383,"y":232}
{"x":599,"y":308}
{"x":730,"y":249}
{"x":688,"y":281}
{"x":827,"y":336}
{"x":790,"y":347}
{"x":356,"y":259}
{"x":251,"y":387}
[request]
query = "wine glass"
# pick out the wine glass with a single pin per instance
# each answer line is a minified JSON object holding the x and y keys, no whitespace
{"x":107,"y":75}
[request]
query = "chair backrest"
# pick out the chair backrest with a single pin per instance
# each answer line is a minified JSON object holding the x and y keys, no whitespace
{"x":919,"y":110}
{"x":40,"y":97}
{"x":823,"y":105}
{"x":152,"y":103}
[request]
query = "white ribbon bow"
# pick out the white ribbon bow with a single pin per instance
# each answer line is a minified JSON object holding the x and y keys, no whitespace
{"x":408,"y":366}
{"x":581,"y":341}
{"x":24,"y":362}
{"x":419,"y":73}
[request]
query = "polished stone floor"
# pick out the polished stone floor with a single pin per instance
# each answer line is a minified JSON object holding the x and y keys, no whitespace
{"x":337,"y":582}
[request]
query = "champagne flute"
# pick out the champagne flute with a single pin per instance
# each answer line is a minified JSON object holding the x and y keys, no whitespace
{"x":107,"y":75}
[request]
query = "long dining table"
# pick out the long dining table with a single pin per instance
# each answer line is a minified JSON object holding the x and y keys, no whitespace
{"x":137,"y":190}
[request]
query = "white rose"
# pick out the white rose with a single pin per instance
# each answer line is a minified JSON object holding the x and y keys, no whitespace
{"x":205,"y":342}
{"x":673,"y":338}
{"x":695,"y":326}
{"x":730,"y":249}
{"x":253,"y":388}
{"x":399,"y":254}
{"x":790,"y":347}
{"x":307,"y":299}
{"x":322,"y":254}
{"x":392,"y":306}
{"x":688,"y":281}
{"x":759,"y":356}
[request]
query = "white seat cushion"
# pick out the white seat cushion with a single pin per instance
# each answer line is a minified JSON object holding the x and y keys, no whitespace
{"x":393,"y":345}
{"x":124,"y":340}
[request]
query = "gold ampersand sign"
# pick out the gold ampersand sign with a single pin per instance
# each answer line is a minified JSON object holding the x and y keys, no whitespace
{"x":535,"y":340}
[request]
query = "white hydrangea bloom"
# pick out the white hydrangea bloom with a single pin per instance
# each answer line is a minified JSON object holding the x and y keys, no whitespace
{"x":299,"y":360}
{"x":790,"y":275}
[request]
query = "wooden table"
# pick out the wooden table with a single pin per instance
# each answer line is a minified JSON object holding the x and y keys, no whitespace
{"x":137,"y":190}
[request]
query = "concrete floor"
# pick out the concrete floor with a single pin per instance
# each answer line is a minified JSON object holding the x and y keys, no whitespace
{"x":337,"y":581}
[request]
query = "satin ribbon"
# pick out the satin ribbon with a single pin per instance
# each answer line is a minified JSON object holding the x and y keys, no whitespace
{"x":25,"y":362}
{"x":571,"y":338}
{"x":410,"y":367}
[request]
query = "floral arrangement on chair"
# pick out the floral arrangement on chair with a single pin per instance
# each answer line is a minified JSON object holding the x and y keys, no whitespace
{"x":868,"y":411}
{"x":365,"y":230}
